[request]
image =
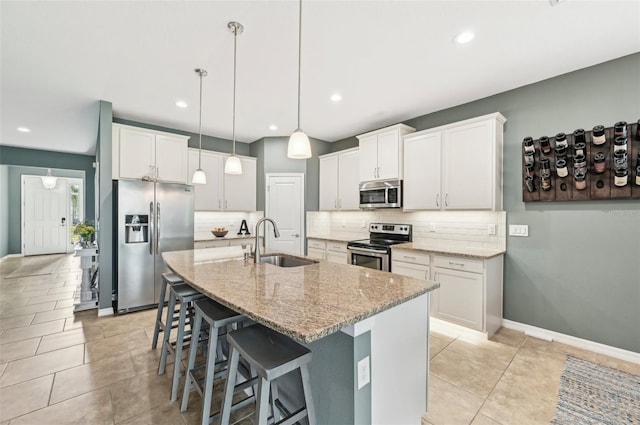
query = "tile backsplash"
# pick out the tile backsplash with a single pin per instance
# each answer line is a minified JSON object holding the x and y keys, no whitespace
{"x":450,"y":228}
{"x":204,"y":221}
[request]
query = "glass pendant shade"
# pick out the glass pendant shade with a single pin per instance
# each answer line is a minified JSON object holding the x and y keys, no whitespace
{"x":48,"y":181}
{"x":233,"y":165}
{"x":299,"y":146}
{"x":199,"y":177}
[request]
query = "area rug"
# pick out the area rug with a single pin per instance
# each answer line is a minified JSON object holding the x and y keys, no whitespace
{"x":37,"y":265}
{"x":593,"y":394}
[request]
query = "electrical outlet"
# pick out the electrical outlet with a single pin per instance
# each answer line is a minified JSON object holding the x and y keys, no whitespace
{"x":364,"y":375}
{"x":518,"y":230}
{"x":491,"y":229}
{"x":432,"y":227}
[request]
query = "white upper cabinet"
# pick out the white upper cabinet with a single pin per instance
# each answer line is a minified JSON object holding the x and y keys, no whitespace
{"x":207,"y":197}
{"x":422,"y":168}
{"x":381,"y":153}
{"x":240,"y":189}
{"x":455,"y":167}
{"x":339,"y":178}
{"x":328,"y":191}
{"x":140,"y":153}
{"x":349,"y":179}
{"x":223,"y":191}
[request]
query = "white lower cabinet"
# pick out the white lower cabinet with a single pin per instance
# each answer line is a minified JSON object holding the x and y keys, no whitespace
{"x":335,"y":252}
{"x":470,"y":292}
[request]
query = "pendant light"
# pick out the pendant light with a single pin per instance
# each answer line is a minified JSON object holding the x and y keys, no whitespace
{"x":49,"y":181}
{"x":233,"y":165}
{"x":299,"y":147}
{"x":199,"y":177}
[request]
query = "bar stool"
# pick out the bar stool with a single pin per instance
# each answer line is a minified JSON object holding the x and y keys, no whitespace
{"x":220,"y":319}
{"x":271,"y":355}
{"x":185,"y":295}
{"x":167,"y":279}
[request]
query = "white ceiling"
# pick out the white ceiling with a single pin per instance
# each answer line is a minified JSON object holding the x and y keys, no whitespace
{"x":390,"y":60}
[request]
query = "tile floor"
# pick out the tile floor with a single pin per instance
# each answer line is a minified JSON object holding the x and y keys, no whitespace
{"x":57,"y":367}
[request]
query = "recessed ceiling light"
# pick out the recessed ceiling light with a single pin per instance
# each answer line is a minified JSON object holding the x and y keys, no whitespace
{"x":464,"y":37}
{"x":181,"y":104}
{"x":336,"y":97}
{"x":23,"y":130}
{"x":273,"y":127}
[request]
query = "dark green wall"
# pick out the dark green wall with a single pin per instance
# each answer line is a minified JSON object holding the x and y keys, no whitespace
{"x":35,"y":162}
{"x":208,"y":142}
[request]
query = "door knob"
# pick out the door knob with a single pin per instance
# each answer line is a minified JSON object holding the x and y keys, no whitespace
{"x":63,"y":221}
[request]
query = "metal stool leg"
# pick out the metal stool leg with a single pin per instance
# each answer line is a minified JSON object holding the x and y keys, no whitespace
{"x":178,"y":352}
{"x":192,"y":362}
{"x":167,"y":335}
{"x":209,"y":375}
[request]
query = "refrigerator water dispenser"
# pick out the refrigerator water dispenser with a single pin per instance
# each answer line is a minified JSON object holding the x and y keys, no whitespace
{"x":136,"y":228}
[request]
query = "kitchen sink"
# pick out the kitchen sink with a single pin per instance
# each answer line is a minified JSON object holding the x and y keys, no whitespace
{"x":286,"y":260}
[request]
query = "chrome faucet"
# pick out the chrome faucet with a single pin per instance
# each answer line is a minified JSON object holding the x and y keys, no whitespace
{"x":276,"y":233}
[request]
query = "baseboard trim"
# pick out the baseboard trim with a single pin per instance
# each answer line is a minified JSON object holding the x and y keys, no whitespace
{"x":451,"y":329}
{"x":585,"y":344}
{"x":11,"y":256}
{"x":105,"y":312}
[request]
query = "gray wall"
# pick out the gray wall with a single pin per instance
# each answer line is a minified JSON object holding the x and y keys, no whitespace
{"x":106,"y":234}
{"x":4,"y":210}
{"x":35,"y":162}
{"x":208,"y":142}
{"x":272,"y":158}
{"x":578,"y":272}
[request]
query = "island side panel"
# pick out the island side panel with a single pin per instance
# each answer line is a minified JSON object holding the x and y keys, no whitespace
{"x":332,"y":372}
{"x":399,"y":352}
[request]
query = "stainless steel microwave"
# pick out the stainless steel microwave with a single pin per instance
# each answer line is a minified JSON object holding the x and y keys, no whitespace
{"x":381,"y":194}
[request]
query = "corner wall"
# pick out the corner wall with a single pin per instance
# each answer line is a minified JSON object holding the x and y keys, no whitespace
{"x":4,"y":210}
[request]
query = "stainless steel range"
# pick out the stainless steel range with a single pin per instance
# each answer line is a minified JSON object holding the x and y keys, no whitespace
{"x":375,"y":252}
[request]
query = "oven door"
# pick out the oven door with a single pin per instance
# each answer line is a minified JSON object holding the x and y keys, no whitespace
{"x":369,"y":257}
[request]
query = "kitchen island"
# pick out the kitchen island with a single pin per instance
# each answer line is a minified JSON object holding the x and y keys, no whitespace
{"x":367,"y":329}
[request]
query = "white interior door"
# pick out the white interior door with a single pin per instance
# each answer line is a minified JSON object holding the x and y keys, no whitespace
{"x":45,"y":218}
{"x":285,"y":205}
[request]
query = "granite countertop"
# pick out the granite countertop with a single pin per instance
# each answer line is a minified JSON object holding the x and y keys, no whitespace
{"x":211,"y":237}
{"x":459,"y":251}
{"x":305,"y":303}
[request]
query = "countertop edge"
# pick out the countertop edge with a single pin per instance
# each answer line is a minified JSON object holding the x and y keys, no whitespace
{"x":409,"y":246}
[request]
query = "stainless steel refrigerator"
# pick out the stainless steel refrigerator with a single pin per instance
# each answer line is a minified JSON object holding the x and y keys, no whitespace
{"x":152,"y":218}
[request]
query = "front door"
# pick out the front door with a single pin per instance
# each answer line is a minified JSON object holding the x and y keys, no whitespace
{"x":45,"y":217}
{"x":285,"y":205}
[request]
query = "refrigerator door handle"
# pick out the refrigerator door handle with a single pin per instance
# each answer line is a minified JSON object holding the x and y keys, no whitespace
{"x":158,"y":231}
{"x":151,"y":229}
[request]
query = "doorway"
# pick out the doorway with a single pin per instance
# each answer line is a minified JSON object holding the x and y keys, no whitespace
{"x":49,"y":216}
{"x":284,"y":202}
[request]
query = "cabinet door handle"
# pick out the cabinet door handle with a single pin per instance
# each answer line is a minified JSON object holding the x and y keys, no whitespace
{"x":335,"y":203}
{"x":446,"y":200}
{"x":426,"y":274}
{"x":296,"y":235}
{"x":435,"y":276}
{"x":339,"y":203}
{"x":219,"y":204}
{"x":451,"y":263}
{"x":409,"y":257}
{"x":438,"y":200}
{"x":225,"y":203}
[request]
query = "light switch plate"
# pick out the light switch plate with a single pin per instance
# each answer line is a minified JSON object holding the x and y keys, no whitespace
{"x":432,"y":227}
{"x":518,"y":230}
{"x":491,"y":229}
{"x":364,"y":375}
